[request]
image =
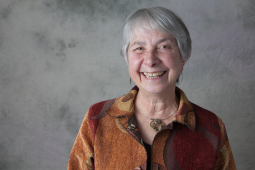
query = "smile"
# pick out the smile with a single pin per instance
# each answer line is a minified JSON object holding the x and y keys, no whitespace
{"x":153,"y":75}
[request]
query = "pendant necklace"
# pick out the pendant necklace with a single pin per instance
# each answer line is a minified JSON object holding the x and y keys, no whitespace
{"x":156,"y":124}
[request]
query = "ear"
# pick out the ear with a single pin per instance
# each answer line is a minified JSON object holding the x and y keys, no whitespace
{"x":183,"y":63}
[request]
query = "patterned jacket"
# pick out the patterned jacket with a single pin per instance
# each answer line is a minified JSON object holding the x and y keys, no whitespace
{"x":109,"y":139}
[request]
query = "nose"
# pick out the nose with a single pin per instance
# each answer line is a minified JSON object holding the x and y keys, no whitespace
{"x":151,"y":58}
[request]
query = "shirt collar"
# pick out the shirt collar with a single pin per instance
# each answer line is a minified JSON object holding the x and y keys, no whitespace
{"x":124,"y":106}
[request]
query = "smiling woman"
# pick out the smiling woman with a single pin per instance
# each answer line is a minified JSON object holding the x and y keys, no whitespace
{"x":154,"y":126}
{"x":154,"y":62}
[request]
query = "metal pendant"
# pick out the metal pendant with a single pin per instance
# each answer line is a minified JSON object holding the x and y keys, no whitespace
{"x":157,"y":125}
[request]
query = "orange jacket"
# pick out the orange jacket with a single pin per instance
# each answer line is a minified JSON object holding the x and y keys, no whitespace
{"x":109,"y":139}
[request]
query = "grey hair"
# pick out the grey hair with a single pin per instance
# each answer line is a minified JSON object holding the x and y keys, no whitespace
{"x":159,"y":19}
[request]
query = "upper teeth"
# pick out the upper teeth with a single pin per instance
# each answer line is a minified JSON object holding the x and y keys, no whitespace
{"x":154,"y":74}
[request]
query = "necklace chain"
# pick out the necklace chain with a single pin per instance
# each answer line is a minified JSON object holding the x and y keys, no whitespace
{"x":157,"y":124}
{"x":158,"y":119}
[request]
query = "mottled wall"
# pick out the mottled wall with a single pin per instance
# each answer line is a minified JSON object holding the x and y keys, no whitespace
{"x":57,"y":57}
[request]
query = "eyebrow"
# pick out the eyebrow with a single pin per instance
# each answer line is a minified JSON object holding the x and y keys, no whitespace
{"x":138,"y":43}
{"x":143,"y":43}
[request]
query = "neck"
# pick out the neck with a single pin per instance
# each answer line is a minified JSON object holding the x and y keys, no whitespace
{"x":156,"y":106}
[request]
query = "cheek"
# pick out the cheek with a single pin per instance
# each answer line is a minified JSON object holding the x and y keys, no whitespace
{"x":134,"y":63}
{"x":133,"y":72}
{"x":131,"y":66}
{"x":172,"y":62}
{"x":134,"y":69}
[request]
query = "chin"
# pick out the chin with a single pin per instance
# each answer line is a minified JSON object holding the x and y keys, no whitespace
{"x":155,"y":90}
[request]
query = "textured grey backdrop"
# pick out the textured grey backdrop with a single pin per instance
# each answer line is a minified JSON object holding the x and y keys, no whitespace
{"x":57,"y":57}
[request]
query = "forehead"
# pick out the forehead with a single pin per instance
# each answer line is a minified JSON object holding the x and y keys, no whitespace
{"x":141,"y":36}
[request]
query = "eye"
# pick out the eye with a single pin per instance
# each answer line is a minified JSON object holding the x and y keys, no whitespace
{"x":139,"y":49}
{"x":164,"y":47}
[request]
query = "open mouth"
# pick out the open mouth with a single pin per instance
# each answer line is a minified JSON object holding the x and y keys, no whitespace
{"x":153,"y":75}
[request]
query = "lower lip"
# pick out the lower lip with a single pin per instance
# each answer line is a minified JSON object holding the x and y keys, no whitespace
{"x":154,"y":78}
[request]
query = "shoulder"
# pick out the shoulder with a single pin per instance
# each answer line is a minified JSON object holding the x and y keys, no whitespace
{"x":205,"y":115}
{"x":100,"y":108}
{"x":208,"y":120}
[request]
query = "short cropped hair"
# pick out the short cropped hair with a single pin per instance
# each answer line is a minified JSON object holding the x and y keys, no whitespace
{"x":156,"y":19}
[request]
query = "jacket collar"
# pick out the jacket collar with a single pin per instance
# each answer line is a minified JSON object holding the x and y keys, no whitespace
{"x":124,"y":106}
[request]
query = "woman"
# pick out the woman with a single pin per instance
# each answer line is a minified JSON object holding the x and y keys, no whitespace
{"x":154,"y":126}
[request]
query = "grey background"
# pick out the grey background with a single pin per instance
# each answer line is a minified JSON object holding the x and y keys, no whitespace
{"x":57,"y":57}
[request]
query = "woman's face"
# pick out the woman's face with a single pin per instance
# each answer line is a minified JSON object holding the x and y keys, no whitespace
{"x":154,"y":61}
